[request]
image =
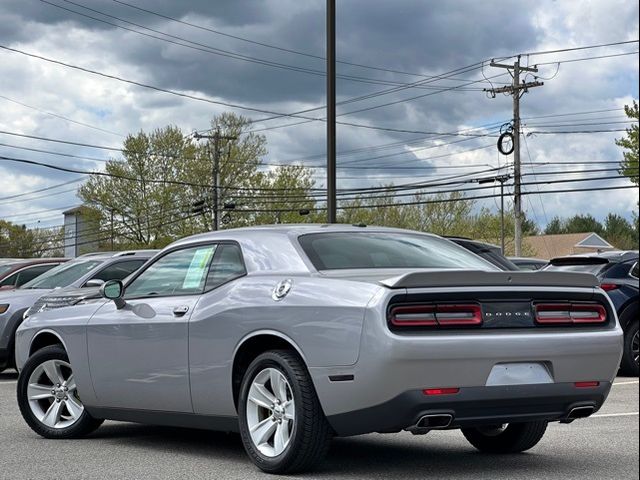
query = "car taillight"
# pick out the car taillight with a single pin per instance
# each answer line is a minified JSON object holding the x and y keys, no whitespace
{"x":607,"y":287}
{"x":444,"y":315}
{"x":570,"y":313}
{"x":591,"y":384}
{"x":441,"y":391}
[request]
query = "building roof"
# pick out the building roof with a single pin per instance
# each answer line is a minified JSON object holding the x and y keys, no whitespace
{"x":550,"y":246}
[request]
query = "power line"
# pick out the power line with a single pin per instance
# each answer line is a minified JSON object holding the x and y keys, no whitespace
{"x":208,"y":48}
{"x":590,"y":58}
{"x":194,"y":97}
{"x":51,"y":187}
{"x":572,"y":49}
{"x":267,"y":45}
{"x":62,"y":117}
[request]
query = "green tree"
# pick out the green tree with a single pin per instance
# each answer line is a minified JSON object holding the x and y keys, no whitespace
{"x":21,"y":242}
{"x":618,"y":231}
{"x":286,"y":191}
{"x":576,"y":224}
{"x":554,"y":227}
{"x":171,"y":194}
{"x":138,"y":210}
{"x":629,"y":164}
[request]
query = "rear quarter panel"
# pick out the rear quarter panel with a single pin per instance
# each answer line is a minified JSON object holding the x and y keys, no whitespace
{"x":322,"y":318}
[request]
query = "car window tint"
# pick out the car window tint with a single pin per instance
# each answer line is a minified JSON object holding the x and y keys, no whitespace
{"x":387,"y":250}
{"x":588,"y":268}
{"x":227,"y":264}
{"x":634,"y":271}
{"x":30,"y":273}
{"x":63,"y":275}
{"x":9,"y":281}
{"x":119,"y":270}
{"x":179,"y":272}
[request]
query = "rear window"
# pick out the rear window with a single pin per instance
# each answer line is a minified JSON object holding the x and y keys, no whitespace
{"x":589,"y":268}
{"x":332,"y":251}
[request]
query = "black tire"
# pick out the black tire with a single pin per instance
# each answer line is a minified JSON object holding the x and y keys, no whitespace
{"x":506,"y":143}
{"x":311,"y":435}
{"x":629,"y":362}
{"x":515,"y":438}
{"x":85,"y":423}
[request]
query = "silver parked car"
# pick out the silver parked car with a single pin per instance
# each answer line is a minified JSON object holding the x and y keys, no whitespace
{"x":293,"y":334}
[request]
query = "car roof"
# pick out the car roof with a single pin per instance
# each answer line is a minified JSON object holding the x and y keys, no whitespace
{"x":462,"y":240}
{"x":614,"y":256}
{"x":30,"y":261}
{"x":290,"y":229}
{"x":125,"y":253}
{"x":17,"y":264}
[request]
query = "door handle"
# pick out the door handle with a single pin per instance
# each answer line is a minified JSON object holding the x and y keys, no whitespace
{"x":180,"y":311}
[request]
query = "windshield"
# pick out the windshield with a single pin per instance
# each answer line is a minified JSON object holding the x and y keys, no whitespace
{"x":63,"y":275}
{"x":5,"y":268}
{"x":329,"y":251}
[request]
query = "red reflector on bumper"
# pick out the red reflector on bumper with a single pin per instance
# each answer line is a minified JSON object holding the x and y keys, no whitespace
{"x":586,"y":384}
{"x":440,"y":391}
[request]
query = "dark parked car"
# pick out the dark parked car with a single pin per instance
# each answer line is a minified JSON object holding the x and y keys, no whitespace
{"x":491,"y":253}
{"x":16,"y":272}
{"x":528,"y":264}
{"x":618,"y":275}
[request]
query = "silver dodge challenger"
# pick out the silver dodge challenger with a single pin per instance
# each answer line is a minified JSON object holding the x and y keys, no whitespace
{"x":294,"y":334}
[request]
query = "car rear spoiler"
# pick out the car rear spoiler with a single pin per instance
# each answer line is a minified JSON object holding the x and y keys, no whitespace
{"x":466,"y":278}
{"x":578,"y":261}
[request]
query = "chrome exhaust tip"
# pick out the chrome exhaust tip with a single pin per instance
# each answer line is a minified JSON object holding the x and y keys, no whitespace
{"x":435,"y":421}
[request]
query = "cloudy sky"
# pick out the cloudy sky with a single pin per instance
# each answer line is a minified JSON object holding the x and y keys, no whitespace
{"x":268,"y":56}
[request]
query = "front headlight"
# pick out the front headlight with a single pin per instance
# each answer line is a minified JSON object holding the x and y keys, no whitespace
{"x":3,"y":308}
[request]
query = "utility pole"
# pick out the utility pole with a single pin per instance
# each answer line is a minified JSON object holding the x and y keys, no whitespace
{"x":501,"y":179}
{"x":216,"y":137}
{"x":516,"y":89}
{"x":331,"y":111}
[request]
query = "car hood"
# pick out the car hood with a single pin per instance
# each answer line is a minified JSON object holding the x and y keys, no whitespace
{"x":19,"y":299}
{"x":20,"y":295}
{"x":69,"y":292}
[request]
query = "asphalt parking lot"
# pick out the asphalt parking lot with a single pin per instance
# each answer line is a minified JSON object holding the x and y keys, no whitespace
{"x":604,"y":446}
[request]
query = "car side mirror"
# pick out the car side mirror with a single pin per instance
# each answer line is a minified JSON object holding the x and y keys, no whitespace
{"x":114,"y":290}
{"x":96,"y":282}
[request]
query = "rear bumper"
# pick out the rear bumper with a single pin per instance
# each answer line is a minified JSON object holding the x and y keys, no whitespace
{"x":473,"y":406}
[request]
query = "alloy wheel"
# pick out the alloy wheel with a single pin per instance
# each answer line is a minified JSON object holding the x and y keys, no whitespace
{"x":634,"y":347}
{"x":270,"y":412}
{"x":53,"y":395}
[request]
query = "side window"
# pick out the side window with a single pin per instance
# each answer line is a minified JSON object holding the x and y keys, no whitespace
{"x":634,"y":271}
{"x":227,"y":264}
{"x":9,"y":281}
{"x":118,"y":271}
{"x":30,"y":273}
{"x":180,"y":272}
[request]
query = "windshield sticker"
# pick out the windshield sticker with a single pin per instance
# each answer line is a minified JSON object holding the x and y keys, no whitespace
{"x":198,"y":268}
